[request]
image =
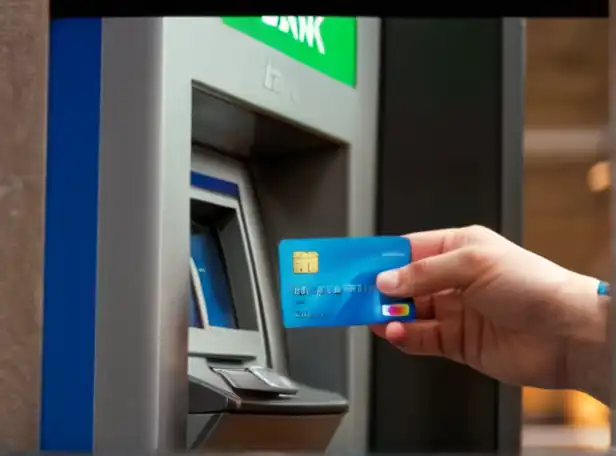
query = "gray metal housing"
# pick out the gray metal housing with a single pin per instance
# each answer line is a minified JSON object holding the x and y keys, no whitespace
{"x":149,"y":68}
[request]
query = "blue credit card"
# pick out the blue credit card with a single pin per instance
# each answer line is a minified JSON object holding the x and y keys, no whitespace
{"x":332,"y":281}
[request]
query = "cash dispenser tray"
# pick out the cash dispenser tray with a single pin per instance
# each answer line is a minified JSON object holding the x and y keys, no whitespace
{"x":257,"y":409}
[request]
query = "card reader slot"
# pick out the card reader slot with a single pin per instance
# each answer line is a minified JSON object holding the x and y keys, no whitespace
{"x":273,"y":379}
{"x":228,"y":362}
{"x":255,"y":383}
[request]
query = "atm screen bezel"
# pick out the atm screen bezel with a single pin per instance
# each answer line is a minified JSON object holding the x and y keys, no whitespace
{"x":224,"y":342}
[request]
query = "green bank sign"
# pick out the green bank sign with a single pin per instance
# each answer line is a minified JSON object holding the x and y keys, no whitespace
{"x":324,"y":43}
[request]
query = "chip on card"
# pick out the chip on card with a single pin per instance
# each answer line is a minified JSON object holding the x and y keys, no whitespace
{"x":332,"y":281}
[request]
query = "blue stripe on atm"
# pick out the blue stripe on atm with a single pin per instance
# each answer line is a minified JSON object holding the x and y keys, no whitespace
{"x":214,"y":184}
{"x":71,"y":222}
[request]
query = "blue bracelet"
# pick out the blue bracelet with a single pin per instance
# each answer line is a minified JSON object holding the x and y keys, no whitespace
{"x":603,"y":289}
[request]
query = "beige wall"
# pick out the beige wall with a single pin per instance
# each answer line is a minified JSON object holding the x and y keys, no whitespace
{"x":567,"y":72}
{"x":565,"y":221}
{"x":567,"y":87}
{"x":23,"y":87}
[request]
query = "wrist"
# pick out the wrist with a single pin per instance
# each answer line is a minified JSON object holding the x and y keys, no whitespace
{"x":588,"y":347}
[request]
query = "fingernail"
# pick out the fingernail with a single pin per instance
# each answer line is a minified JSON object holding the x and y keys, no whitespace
{"x":388,"y":280}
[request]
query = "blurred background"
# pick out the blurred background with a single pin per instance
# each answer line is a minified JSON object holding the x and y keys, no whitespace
{"x":567,"y":192}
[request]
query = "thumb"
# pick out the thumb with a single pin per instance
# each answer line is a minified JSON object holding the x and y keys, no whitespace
{"x":456,"y":269}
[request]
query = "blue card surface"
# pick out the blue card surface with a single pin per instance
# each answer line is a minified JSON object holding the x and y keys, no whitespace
{"x":332,"y":281}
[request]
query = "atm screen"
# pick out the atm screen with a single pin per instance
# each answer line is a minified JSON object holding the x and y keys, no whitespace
{"x":220,"y":255}
{"x":194,"y":316}
{"x":206,"y":252}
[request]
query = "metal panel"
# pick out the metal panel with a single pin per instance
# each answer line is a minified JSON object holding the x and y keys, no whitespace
{"x":512,"y":210}
{"x":240,"y":68}
{"x":441,"y":164}
{"x":353,"y":433}
{"x":141,"y":332}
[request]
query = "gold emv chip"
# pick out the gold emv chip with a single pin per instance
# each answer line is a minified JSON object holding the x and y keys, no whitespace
{"x":305,"y":262}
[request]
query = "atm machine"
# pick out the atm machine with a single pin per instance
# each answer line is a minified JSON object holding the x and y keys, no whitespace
{"x":180,"y":151}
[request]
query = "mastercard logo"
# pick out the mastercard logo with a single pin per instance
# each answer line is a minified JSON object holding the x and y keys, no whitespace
{"x":396,"y":310}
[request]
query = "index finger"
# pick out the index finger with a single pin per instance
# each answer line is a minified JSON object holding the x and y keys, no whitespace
{"x":426,"y":244}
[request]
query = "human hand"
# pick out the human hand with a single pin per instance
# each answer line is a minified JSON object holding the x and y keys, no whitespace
{"x":483,"y":301}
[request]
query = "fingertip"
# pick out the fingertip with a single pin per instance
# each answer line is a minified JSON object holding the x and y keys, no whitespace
{"x":388,"y":281}
{"x":395,"y":333}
